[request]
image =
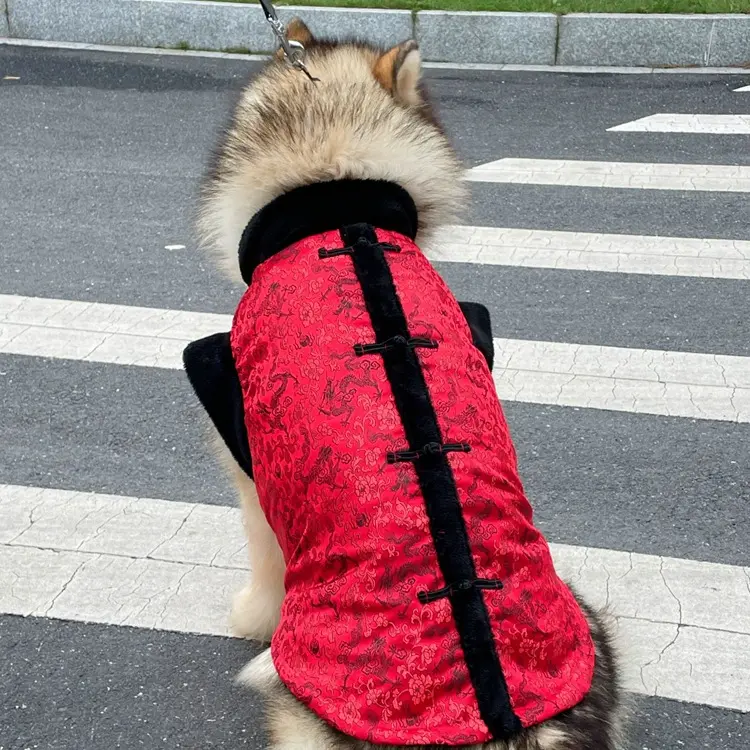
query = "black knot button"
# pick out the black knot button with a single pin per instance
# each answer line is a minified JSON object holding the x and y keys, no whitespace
{"x":391,"y":343}
{"x":459,"y":587}
{"x":431,"y":449}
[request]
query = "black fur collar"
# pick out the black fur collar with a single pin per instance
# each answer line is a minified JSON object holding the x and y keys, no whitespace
{"x":321,"y":207}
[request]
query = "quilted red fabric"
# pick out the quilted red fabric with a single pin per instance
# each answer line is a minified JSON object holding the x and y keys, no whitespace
{"x":354,"y":643}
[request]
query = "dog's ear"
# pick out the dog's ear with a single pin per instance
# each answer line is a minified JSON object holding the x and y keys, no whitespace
{"x":297,"y":31}
{"x":399,"y":71}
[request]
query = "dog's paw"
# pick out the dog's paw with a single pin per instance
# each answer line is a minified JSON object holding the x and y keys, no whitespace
{"x":255,"y":613}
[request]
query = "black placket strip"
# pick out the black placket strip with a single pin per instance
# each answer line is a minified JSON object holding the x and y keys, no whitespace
{"x":437,"y":484}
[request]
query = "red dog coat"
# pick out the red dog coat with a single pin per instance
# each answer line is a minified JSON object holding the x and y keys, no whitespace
{"x":422,"y":605}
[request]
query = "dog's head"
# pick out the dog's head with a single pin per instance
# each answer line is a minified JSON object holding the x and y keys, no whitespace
{"x":398,"y":69}
{"x":367,"y":117}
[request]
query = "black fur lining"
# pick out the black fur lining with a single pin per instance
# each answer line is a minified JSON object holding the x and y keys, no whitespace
{"x":438,"y":486}
{"x":210,"y":368}
{"x":320,"y":207}
{"x":478,"y":318}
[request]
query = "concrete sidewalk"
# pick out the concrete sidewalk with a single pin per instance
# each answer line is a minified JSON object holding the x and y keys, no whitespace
{"x":596,"y":39}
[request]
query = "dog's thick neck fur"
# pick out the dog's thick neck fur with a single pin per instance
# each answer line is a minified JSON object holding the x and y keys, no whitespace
{"x":324,"y":206}
{"x":288,"y":132}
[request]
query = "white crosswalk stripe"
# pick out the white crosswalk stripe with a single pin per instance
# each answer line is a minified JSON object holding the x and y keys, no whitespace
{"x":678,"y":123}
{"x":585,"y":251}
{"x":173,"y":566}
{"x":606,"y":174}
{"x":678,"y":384}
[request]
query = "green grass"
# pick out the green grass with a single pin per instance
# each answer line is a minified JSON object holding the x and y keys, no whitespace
{"x":554,"y":6}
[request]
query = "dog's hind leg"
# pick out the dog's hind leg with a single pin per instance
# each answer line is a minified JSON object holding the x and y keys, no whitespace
{"x":256,"y":608}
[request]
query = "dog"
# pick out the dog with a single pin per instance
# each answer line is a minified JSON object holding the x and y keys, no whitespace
{"x":394,"y":566}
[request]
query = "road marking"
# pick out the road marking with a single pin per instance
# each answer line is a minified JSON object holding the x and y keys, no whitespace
{"x":743,"y":88}
{"x":174,"y":247}
{"x":174,"y":566}
{"x":122,"y":526}
{"x":582,"y":251}
{"x":98,"y":332}
{"x":644,"y":381}
{"x":678,"y":123}
{"x":613,"y":174}
{"x":648,"y":381}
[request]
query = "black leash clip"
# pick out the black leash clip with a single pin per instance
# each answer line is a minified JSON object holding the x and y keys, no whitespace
{"x":294,"y":51}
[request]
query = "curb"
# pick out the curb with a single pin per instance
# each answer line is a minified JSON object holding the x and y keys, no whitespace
{"x":4,"y":26}
{"x":578,"y":39}
{"x":505,"y":38}
{"x":659,"y":39}
{"x":191,"y":23}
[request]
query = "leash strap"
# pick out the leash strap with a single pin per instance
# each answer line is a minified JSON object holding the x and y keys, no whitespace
{"x":294,"y":51}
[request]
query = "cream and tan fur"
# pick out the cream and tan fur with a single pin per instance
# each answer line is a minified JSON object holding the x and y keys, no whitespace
{"x":366,"y":118}
{"x":288,"y":132}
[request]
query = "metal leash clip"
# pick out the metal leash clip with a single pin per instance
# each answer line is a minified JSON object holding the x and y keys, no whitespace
{"x":294,"y":51}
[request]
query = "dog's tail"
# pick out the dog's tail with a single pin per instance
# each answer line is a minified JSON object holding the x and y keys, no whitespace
{"x":259,"y":674}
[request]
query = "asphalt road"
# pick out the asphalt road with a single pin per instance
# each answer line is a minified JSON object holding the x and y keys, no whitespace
{"x":100,"y":159}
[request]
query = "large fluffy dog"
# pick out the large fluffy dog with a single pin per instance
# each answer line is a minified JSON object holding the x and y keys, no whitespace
{"x":409,"y":598}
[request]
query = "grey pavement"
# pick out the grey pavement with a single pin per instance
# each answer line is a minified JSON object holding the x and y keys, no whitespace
{"x":630,"y":310}
{"x":99,"y":166}
{"x":151,"y":689}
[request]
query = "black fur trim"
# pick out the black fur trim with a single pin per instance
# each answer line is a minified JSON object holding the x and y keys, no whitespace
{"x":478,"y":318}
{"x":209,"y":365}
{"x":438,"y":486}
{"x":323,"y":206}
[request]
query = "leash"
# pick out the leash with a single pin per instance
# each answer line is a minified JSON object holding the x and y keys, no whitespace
{"x":293,"y":50}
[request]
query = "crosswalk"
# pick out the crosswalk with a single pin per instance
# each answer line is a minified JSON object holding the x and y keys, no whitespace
{"x":142,"y":556}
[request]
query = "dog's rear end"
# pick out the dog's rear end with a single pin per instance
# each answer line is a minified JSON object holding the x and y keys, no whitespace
{"x":367,"y":118}
{"x":596,"y":723}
